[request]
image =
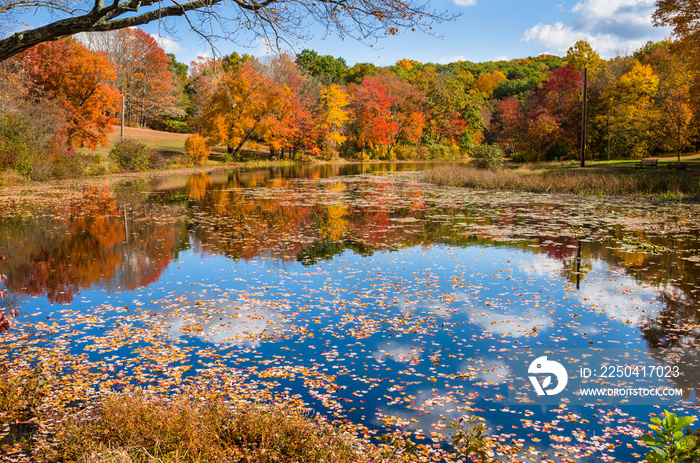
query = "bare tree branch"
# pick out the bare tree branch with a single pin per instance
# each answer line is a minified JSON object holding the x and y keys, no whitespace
{"x":272,"y":20}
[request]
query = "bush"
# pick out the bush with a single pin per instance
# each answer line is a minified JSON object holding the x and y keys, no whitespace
{"x":405,"y":152}
{"x":32,"y":142}
{"x":488,"y":157}
{"x":557,"y":152}
{"x":130,"y":155}
{"x":157,"y":161}
{"x":196,"y":147}
{"x":670,"y":441}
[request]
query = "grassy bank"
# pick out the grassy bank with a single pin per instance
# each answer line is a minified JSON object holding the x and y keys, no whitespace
{"x":599,"y":179}
{"x":135,"y":427}
{"x":132,"y":429}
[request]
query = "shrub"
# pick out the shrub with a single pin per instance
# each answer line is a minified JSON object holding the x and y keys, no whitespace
{"x":488,"y":157}
{"x":670,"y":441}
{"x":557,"y":152}
{"x":130,"y":155}
{"x":33,"y":143}
{"x":156,"y":160}
{"x":405,"y":152}
{"x":439,"y":151}
{"x":196,"y":148}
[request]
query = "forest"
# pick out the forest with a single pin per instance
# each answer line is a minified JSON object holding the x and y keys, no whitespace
{"x":60,"y":99}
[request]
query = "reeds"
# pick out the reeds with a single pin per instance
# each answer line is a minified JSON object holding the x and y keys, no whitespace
{"x":664,"y":184}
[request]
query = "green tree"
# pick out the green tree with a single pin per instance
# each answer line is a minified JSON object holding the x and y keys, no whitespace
{"x":325,"y":67}
{"x":357,"y":73}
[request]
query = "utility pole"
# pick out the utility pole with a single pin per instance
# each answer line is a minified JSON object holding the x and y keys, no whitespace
{"x":584,"y":109}
{"x":608,"y":136}
{"x":122,"y":132}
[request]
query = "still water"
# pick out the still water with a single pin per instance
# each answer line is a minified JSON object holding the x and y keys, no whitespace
{"x":361,"y":292}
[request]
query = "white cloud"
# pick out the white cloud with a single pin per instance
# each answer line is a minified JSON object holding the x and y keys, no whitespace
{"x":203,"y":54}
{"x":451,"y":59}
{"x":168,"y":44}
{"x":465,"y":2}
{"x":610,"y":26}
{"x":263,"y":47}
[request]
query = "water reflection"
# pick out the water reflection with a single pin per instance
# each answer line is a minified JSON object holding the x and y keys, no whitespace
{"x":308,"y":214}
{"x":91,"y":241}
{"x":386,"y":288}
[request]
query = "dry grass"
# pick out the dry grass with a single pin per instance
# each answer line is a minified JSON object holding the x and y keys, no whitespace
{"x":165,"y":143}
{"x":133,"y":429}
{"x":539,"y":179}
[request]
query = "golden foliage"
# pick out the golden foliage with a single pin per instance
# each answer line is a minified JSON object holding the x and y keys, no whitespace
{"x":196,"y":148}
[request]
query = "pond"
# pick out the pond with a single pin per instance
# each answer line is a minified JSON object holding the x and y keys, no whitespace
{"x":364,"y":294}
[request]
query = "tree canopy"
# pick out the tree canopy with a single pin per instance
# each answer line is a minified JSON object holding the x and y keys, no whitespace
{"x":271,"y":20}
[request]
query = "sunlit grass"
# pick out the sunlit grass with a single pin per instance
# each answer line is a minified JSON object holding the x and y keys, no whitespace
{"x":548,"y":178}
{"x":128,"y":428}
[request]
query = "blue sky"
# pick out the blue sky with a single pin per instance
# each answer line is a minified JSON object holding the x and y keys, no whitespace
{"x":487,"y":30}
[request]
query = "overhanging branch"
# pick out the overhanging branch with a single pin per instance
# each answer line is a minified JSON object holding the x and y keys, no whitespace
{"x":100,"y":19}
{"x":273,"y":20}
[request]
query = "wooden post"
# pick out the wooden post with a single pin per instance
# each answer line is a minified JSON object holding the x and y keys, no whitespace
{"x":583,"y":118}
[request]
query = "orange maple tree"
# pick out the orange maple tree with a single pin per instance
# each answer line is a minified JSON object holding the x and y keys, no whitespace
{"x":67,"y":72}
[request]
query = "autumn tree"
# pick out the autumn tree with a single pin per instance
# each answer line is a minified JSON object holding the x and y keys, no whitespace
{"x":487,"y":82}
{"x":297,"y":123}
{"x":682,"y":16}
{"x":631,"y":105}
{"x":244,"y":102}
{"x":80,"y":80}
{"x":273,"y":20}
{"x":200,"y":88}
{"x":445,"y":103}
{"x":582,"y":56}
{"x":508,"y":123}
{"x":406,"y":110}
{"x":143,"y":73}
{"x":676,"y":129}
{"x":334,"y":115}
{"x":371,"y":110}
{"x":553,"y":111}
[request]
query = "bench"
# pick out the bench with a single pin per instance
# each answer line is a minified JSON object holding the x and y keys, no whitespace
{"x":647,"y":163}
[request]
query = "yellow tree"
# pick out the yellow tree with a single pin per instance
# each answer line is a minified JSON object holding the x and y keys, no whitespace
{"x":582,"y":56}
{"x":334,"y":101}
{"x":675,"y":131}
{"x":633,"y":113}
{"x":486,"y":83}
